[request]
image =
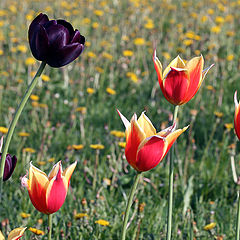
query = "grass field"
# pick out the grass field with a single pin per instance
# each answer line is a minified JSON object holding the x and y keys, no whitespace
{"x":72,"y":116}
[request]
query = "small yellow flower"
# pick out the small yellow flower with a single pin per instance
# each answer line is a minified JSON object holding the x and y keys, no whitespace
{"x":125,"y":38}
{"x":139,"y":41}
{"x":107,"y":55}
{"x":166,"y":55}
{"x":95,"y":25}
{"x":230,"y":57}
{"x":188,"y":42}
{"x":218,"y":114}
{"x":1,"y":52}
{"x":228,"y":126}
{"x":197,"y":52}
{"x":97,"y":146}
{"x":118,"y":134}
{"x":41,"y":163}
{"x":90,"y":91}
{"x":219,"y":20}
{"x":82,"y":110}
{"x":122,"y":144}
{"x":210,"y":88}
{"x":30,"y":61}
{"x":107,"y":181}
{"x":209,"y":226}
{"x":34,"y":97}
{"x":22,"y":48}
{"x":29,"y":17}
{"x":77,"y":147}
{"x":110,"y":91}
{"x":204,"y":19}
{"x":3,"y":130}
{"x":149,"y":24}
{"x":45,"y":78}
{"x":230,"y":33}
{"x":210,"y":11}
{"x":98,"y":13}
{"x":132,"y":76}
{"x":23,"y":134}
{"x":80,"y":215}
{"x":36,"y":231}
{"x":216,"y":29}
{"x":51,"y":159}
{"x":25,"y":215}
{"x":127,"y":53}
{"x":87,"y":44}
{"x":30,"y":150}
{"x":99,"y":69}
{"x":91,"y":55}
{"x":43,"y":105}
{"x":102,"y":222}
{"x":35,"y":104}
{"x":86,"y":21}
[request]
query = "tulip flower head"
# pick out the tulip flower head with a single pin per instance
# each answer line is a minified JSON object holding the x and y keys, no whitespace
{"x":145,"y":148}
{"x":54,"y":42}
{"x":48,"y":193}
{"x":237,"y":116}
{"x":179,"y":81}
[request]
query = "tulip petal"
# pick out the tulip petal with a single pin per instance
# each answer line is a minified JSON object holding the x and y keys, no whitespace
{"x":195,"y":68}
{"x":175,"y":85}
{"x":10,"y":165}
{"x":66,"y":25}
{"x":126,"y":123}
{"x":77,"y":37}
{"x":150,"y":153}
{"x":176,"y":63}
{"x":237,"y":116}
{"x":54,"y":170}
{"x":69,"y":171}
{"x":165,"y":132}
{"x":133,"y":140}
{"x":16,"y":233}
{"x":146,"y":125}
{"x":56,"y":192}
{"x":65,"y":55}
{"x":158,"y":68}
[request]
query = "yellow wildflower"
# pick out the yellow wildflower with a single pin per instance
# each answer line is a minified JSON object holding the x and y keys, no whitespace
{"x":45,"y":78}
{"x":230,"y":57}
{"x":87,"y":44}
{"x":107,"y":55}
{"x":80,"y":215}
{"x":3,"y":130}
{"x":139,"y":41}
{"x":188,"y":42}
{"x":30,"y":61}
{"x":209,"y":226}
{"x":219,"y":20}
{"x":43,"y":105}
{"x":127,"y":53}
{"x":210,"y":88}
{"x":125,"y":38}
{"x":98,"y":13}
{"x":91,"y":55}
{"x":36,"y":231}
{"x":218,"y":114}
{"x":228,"y":126}
{"x":25,"y":215}
{"x":216,"y":29}
{"x":22,"y":48}
{"x":110,"y":91}
{"x":81,"y":110}
{"x":118,"y":134}
{"x":1,"y":52}
{"x":97,"y":146}
{"x":95,"y":25}
{"x":23,"y":134}
{"x":30,"y":150}
{"x":86,"y":21}
{"x":210,"y":11}
{"x":90,"y":91}
{"x":204,"y":19}
{"x":51,"y":159}
{"x":34,"y":97}
{"x":197,"y":52}
{"x":29,"y":17}
{"x":132,"y":76}
{"x":149,"y":24}
{"x":35,"y":104}
{"x":122,"y":144}
{"x":41,"y":163}
{"x":77,"y":147}
{"x":102,"y":222}
{"x":166,"y":55}
{"x":99,"y":69}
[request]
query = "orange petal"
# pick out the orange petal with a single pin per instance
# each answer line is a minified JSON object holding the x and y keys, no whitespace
{"x":56,"y":192}
{"x":195,"y":68}
{"x":176,"y":63}
{"x":69,"y":171}
{"x":237,"y":116}
{"x":158,"y":68}
{"x":176,"y":85}
{"x":135,"y":137}
{"x":146,"y":125}
{"x":16,"y":233}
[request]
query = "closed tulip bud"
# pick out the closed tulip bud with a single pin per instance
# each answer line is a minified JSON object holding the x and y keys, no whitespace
{"x":10,"y":164}
{"x":237,"y":116}
{"x":54,"y":42}
{"x":48,"y":193}
{"x":180,"y":81}
{"x":145,"y":148}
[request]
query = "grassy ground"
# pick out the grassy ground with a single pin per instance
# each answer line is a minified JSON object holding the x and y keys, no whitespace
{"x":76,"y":107}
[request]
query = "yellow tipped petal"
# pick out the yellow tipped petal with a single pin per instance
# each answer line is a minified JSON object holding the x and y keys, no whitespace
{"x":16,"y":233}
{"x":54,"y":170}
{"x":146,"y":125}
{"x":174,"y":135}
{"x":157,"y":64}
{"x":69,"y":171}
{"x":176,"y":63}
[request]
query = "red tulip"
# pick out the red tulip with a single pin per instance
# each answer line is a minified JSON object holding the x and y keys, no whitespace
{"x":237,"y":116}
{"x":145,"y":148}
{"x":179,"y":81}
{"x":48,"y":193}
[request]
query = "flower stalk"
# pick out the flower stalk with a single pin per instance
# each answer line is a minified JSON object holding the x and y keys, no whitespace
{"x":170,"y":196}
{"x":49,"y":226}
{"x":129,"y":204}
{"x":15,"y":120}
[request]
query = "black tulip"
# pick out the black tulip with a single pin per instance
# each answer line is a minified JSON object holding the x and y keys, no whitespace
{"x":54,"y":42}
{"x":10,"y":164}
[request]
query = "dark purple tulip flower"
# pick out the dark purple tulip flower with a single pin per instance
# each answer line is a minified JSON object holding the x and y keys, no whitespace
{"x":10,"y":164}
{"x":54,"y":42}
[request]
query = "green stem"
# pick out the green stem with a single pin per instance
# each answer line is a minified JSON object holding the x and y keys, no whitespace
{"x":15,"y":120}
{"x":49,"y":226}
{"x":170,"y":189}
{"x":238,"y":220}
{"x":129,"y":203}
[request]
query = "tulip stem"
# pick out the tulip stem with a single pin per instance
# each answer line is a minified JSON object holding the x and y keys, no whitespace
{"x":170,"y":189}
{"x":49,"y":226}
{"x":15,"y":120}
{"x":129,"y":204}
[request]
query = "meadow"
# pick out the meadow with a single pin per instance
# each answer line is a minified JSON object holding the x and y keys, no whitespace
{"x":72,"y":115}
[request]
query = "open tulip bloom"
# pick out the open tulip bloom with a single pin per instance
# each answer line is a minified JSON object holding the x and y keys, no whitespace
{"x":145,"y":148}
{"x":48,"y":193}
{"x":237,"y":116}
{"x":179,"y":81}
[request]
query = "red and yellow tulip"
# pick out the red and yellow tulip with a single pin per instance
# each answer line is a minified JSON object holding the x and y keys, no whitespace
{"x":48,"y":193}
{"x":145,"y":148}
{"x":180,"y":81}
{"x":237,"y":116}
